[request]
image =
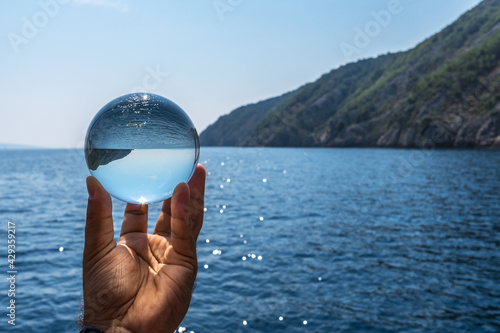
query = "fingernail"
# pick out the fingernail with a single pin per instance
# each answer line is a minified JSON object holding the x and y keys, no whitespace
{"x":134,"y":206}
{"x":90,"y":189}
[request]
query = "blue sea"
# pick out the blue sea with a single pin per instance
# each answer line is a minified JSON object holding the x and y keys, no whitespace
{"x":294,"y":240}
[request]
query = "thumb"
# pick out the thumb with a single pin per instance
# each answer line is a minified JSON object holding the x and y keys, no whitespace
{"x":99,"y":230}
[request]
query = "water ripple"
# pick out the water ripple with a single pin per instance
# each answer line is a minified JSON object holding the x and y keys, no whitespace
{"x":327,"y":246}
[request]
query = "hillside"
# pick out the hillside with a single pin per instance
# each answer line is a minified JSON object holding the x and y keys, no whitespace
{"x":445,"y":92}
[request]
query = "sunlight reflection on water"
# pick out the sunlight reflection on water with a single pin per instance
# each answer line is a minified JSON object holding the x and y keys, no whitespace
{"x":326,"y":244}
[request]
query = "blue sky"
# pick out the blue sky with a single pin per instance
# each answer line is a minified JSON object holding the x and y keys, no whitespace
{"x":62,"y":60}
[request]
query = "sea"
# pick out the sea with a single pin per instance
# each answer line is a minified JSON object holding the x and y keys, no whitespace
{"x":294,"y":240}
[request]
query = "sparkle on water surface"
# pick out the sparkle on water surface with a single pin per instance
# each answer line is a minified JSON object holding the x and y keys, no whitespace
{"x":375,"y":256}
{"x":140,"y":146}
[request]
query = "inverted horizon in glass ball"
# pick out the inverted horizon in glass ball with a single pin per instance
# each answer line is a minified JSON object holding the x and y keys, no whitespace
{"x":140,"y":146}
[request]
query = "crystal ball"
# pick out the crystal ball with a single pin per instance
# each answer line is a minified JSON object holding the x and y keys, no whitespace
{"x":140,"y":146}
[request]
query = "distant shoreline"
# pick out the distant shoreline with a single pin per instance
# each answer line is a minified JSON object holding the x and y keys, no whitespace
{"x":12,"y":146}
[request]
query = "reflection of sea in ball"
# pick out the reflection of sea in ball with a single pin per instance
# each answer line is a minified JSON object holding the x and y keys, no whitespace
{"x":140,"y":146}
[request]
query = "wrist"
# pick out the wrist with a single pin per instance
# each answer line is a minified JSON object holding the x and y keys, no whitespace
{"x":93,"y":316}
{"x":113,"y":326}
{"x":89,"y":329}
{"x":97,"y":326}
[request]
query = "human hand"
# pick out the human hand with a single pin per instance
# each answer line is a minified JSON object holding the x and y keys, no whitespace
{"x":144,"y":282}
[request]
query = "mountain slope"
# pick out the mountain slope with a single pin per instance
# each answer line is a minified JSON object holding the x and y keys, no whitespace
{"x":240,"y":123}
{"x":445,"y":92}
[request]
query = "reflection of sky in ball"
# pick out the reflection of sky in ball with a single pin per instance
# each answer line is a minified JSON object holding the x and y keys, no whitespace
{"x":162,"y":141}
{"x":146,"y":175}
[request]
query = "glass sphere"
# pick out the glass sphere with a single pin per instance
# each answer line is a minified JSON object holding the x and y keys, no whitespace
{"x":140,"y":146}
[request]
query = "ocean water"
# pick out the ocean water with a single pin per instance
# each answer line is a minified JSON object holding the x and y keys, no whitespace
{"x":294,"y":240}
{"x":143,"y":175}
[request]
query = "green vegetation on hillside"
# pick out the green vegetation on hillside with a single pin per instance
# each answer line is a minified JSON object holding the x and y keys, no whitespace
{"x":450,"y":82}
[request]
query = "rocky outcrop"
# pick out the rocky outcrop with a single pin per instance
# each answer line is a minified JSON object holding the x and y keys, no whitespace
{"x":445,"y":92}
{"x":480,"y":132}
{"x":97,"y":157}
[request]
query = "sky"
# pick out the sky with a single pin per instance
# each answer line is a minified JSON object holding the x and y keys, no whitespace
{"x":61,"y":61}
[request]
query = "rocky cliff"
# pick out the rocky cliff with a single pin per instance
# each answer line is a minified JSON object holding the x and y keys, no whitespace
{"x":445,"y":92}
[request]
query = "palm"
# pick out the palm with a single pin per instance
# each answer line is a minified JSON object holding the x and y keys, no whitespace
{"x":144,"y":283}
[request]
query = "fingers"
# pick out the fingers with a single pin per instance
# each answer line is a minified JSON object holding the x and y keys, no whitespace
{"x":163,"y":224}
{"x":135,"y":219}
{"x":182,"y":237}
{"x":197,"y":188}
{"x":99,"y":230}
{"x":197,"y":191}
